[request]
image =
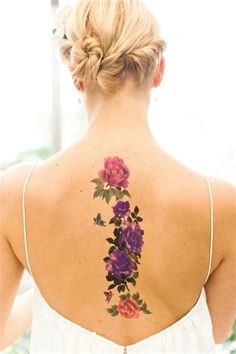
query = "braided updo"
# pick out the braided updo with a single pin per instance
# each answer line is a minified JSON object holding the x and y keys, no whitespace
{"x":107,"y":38}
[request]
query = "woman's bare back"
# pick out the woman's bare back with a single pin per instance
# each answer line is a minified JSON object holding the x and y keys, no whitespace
{"x":66,"y":248}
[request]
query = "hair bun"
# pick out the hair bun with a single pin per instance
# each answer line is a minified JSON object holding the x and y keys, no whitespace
{"x":107,"y":39}
{"x":86,"y":57}
{"x":91,"y":46}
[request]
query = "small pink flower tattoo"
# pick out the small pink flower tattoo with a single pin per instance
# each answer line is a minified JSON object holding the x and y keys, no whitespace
{"x":108,"y":295}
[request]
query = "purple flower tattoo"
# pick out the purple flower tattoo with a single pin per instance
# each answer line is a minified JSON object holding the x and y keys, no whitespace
{"x":120,"y":265}
{"x":132,"y":237}
{"x":121,"y":209}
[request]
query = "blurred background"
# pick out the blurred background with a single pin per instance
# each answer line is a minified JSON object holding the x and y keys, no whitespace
{"x":192,"y":114}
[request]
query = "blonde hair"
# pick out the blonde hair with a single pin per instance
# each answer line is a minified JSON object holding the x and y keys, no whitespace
{"x":105,"y":39}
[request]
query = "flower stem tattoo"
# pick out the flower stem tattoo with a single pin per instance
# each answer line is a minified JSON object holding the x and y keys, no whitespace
{"x":126,"y":242}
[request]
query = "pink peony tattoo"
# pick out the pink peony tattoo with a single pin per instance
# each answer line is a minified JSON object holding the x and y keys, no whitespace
{"x":115,"y":172}
{"x":128,"y":308}
{"x":126,"y":242}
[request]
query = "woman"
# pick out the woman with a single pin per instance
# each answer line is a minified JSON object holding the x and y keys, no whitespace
{"x":117,"y":234}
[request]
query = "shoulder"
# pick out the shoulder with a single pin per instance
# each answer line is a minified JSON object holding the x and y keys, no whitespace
{"x":194,"y":199}
{"x":220,"y":288}
{"x":14,"y":172}
{"x":224,"y":211}
{"x":12,"y":180}
{"x":224,"y":199}
{"x":11,"y":190}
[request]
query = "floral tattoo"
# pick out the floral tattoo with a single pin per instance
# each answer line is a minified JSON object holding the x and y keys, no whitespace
{"x":126,"y":241}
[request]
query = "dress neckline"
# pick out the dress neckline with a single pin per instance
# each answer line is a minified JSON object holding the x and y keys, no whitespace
{"x":99,"y":337}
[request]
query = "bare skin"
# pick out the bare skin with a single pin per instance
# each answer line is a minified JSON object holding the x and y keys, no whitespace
{"x":66,"y":249}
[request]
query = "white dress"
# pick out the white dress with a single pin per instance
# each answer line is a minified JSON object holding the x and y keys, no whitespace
{"x":52,"y":333}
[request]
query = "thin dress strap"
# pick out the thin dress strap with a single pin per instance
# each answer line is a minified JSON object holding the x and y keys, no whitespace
{"x":211,"y":244}
{"x":24,"y":222}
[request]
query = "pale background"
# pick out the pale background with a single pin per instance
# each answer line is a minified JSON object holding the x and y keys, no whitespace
{"x":193,"y":117}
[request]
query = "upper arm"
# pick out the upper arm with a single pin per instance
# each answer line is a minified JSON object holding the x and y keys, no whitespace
{"x":11,"y":270}
{"x":221,"y":285}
